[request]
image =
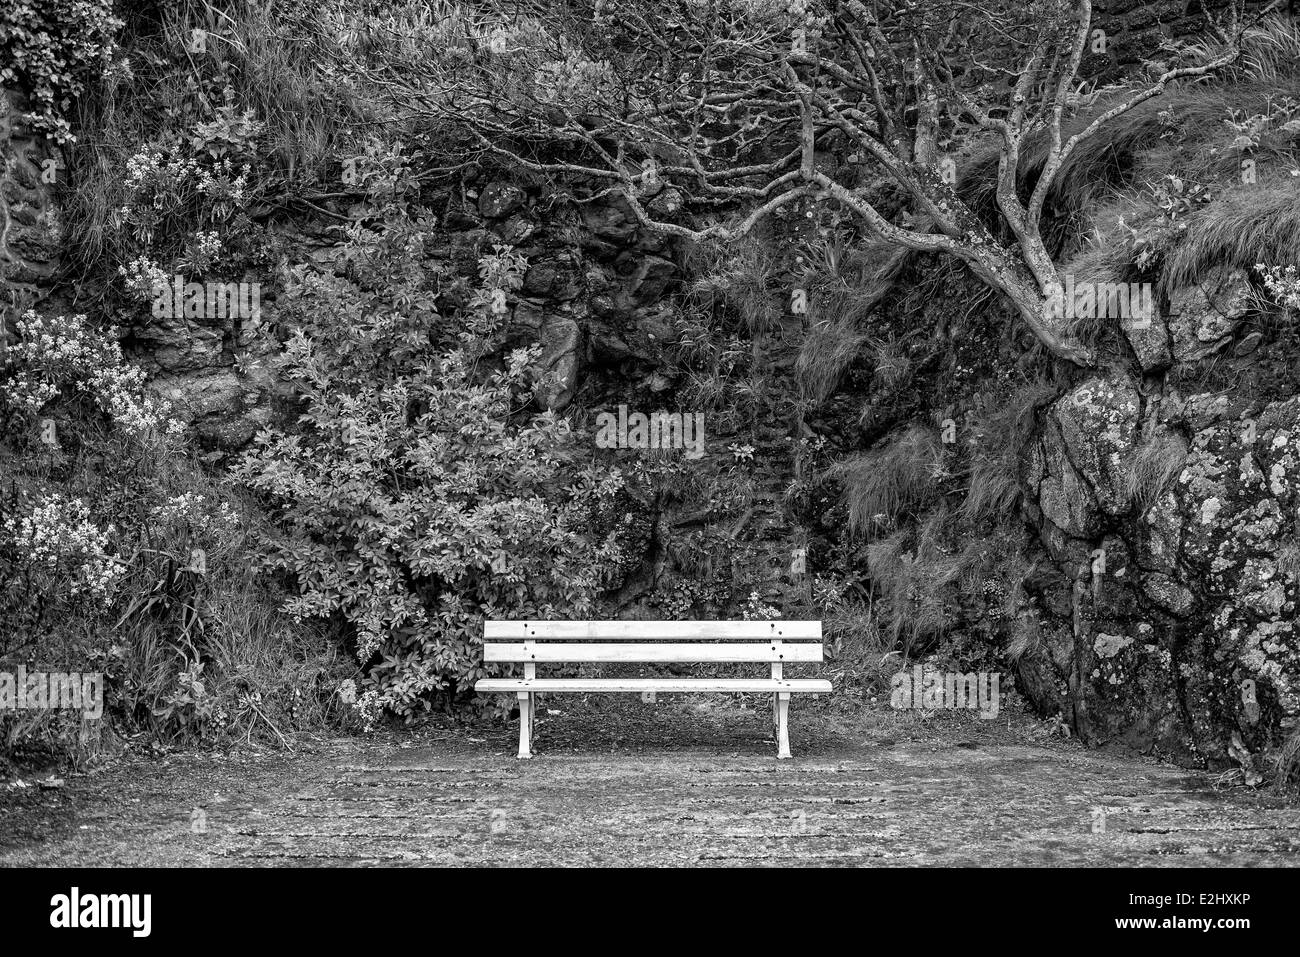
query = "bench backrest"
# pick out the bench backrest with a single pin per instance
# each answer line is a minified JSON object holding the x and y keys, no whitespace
{"x":532,"y":642}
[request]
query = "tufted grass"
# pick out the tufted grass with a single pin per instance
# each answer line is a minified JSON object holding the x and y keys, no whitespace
{"x":1152,"y":467}
{"x":1288,"y":762}
{"x":1247,"y":225}
{"x":271,"y":57}
{"x":882,"y":485}
{"x":829,"y":347}
{"x":1002,"y":439}
{"x":915,"y":574}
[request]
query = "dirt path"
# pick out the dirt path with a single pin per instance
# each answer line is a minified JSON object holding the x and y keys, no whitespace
{"x":689,"y":782}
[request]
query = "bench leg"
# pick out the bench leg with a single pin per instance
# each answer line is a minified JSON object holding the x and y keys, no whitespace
{"x":776,"y":717}
{"x":525,"y":723}
{"x":533,"y":698}
{"x":782,"y":729}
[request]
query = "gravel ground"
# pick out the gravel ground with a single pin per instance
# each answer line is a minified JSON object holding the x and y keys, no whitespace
{"x":687,"y":780}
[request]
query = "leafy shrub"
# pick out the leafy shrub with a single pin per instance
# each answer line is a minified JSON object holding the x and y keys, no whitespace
{"x":47,"y":48}
{"x":119,"y":557}
{"x":418,"y":495}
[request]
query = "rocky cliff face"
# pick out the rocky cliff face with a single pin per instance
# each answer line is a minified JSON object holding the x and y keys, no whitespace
{"x":1170,"y":619}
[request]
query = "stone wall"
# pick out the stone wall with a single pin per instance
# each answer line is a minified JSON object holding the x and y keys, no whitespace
{"x":594,"y":295}
{"x":29,"y":228}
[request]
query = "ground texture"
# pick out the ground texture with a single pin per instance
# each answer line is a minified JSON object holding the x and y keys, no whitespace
{"x":686,"y":780}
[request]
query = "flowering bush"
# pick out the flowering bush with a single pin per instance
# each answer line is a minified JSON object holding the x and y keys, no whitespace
{"x":828,"y":592}
{"x":192,"y":510}
{"x":167,"y":194}
{"x":143,"y":278}
{"x":183,"y":203}
{"x":59,"y":539}
{"x":159,"y":184}
{"x":755,"y":609}
{"x":54,"y":355}
{"x":202,"y":252}
{"x":55,"y":544}
{"x":117,"y":555}
{"x":370,"y":709}
{"x":1282,"y":284}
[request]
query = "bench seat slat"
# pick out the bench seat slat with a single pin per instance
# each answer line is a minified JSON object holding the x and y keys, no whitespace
{"x":666,"y":685}
{"x":652,"y":630}
{"x":743,"y":651}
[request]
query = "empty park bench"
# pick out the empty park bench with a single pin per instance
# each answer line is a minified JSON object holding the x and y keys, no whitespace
{"x":540,"y":642}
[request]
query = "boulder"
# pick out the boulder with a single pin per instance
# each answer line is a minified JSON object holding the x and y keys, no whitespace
{"x":1079,"y":468}
{"x":181,"y":345}
{"x":215,"y":404}
{"x":555,"y":278}
{"x":498,"y":200}
{"x":561,"y":340}
{"x":1201,"y":590}
{"x":1150,"y":342}
{"x":612,"y":221}
{"x":651,"y":278}
{"x":1204,"y":316}
{"x":518,"y":229}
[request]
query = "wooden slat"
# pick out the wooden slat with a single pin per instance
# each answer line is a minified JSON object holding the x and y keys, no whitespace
{"x":652,"y":630}
{"x":535,"y":651}
{"x":665,"y":685}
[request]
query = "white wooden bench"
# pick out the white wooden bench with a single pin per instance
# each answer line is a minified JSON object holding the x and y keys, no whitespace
{"x":538,"y":642}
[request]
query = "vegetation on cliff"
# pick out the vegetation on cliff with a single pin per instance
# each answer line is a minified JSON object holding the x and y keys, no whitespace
{"x":472,"y":228}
